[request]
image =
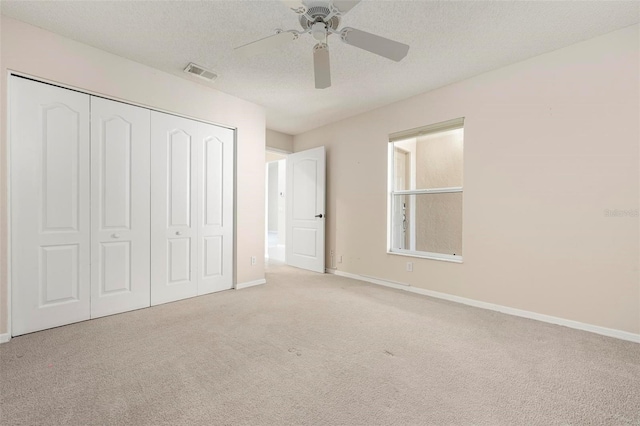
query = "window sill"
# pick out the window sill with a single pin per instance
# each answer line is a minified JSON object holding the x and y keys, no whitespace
{"x":425,"y":255}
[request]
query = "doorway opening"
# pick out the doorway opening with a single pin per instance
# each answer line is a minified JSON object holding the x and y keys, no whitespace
{"x":275,"y":206}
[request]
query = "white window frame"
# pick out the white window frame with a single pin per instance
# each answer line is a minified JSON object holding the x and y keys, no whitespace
{"x":396,"y":137}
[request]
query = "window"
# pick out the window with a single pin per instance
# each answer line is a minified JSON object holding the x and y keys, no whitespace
{"x":425,"y":191}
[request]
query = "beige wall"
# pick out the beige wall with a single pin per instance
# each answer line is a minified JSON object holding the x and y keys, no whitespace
{"x":280,"y":141}
{"x":272,"y":197}
{"x":549,"y":144}
{"x":31,"y":50}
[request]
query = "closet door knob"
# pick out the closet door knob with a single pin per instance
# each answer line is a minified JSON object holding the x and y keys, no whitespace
{"x":178,"y":232}
{"x":115,"y":236}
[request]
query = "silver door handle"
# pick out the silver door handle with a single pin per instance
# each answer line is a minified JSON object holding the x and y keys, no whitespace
{"x":178,"y":232}
{"x":115,"y":236}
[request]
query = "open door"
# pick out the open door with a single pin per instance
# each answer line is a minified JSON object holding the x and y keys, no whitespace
{"x":305,"y":213}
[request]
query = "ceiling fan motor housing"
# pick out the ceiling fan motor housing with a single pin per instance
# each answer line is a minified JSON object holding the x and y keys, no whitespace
{"x":319,"y":13}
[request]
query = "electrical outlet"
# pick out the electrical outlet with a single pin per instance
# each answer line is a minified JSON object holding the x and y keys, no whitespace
{"x":253,"y":260}
{"x":409,"y":266}
{"x":331,"y":252}
{"x":340,"y":259}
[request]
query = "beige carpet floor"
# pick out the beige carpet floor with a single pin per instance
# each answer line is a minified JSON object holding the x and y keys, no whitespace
{"x":311,"y":349}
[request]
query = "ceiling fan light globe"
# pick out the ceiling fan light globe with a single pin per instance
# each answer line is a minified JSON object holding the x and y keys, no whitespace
{"x":319,"y":31}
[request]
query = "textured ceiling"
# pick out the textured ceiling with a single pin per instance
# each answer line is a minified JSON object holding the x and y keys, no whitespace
{"x":449,"y":40}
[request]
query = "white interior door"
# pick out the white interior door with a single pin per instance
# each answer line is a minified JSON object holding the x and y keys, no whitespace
{"x":174,"y":191}
{"x":50,"y":231}
{"x":306,"y":209}
{"x":215,"y":146}
{"x":120,"y":210}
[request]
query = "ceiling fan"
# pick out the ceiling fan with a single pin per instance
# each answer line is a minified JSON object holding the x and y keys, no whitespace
{"x":321,"y":18}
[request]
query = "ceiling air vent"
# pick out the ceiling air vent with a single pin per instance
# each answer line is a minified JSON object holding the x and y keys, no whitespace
{"x":199,"y":71}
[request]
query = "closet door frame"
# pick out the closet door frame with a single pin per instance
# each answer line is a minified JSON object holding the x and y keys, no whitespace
{"x":8,"y":159}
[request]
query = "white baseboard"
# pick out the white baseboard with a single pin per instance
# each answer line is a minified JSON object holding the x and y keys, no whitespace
{"x":250,"y":284}
{"x":610,"y":332}
{"x":5,"y":337}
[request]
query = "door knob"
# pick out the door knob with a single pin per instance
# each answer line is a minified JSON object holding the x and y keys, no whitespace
{"x":115,"y":236}
{"x":178,"y":232}
{"x":319,"y":215}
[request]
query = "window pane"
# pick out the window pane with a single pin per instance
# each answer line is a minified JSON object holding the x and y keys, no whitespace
{"x":428,"y":223}
{"x":429,"y":161}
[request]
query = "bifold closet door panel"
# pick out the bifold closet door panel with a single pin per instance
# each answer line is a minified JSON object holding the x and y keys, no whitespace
{"x":50,"y":222}
{"x":215,"y":209}
{"x":174,"y":193}
{"x":120,"y":207}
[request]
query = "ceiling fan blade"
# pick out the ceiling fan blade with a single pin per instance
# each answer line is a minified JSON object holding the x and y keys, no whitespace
{"x":264,"y":44}
{"x":345,"y":6}
{"x":295,"y":5}
{"x":321,"y":66}
{"x":375,"y":44}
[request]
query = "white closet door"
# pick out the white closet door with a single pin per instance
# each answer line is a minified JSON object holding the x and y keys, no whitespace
{"x":174,"y":193}
{"x":120,"y":210}
{"x":49,"y":206}
{"x":215,"y":211}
